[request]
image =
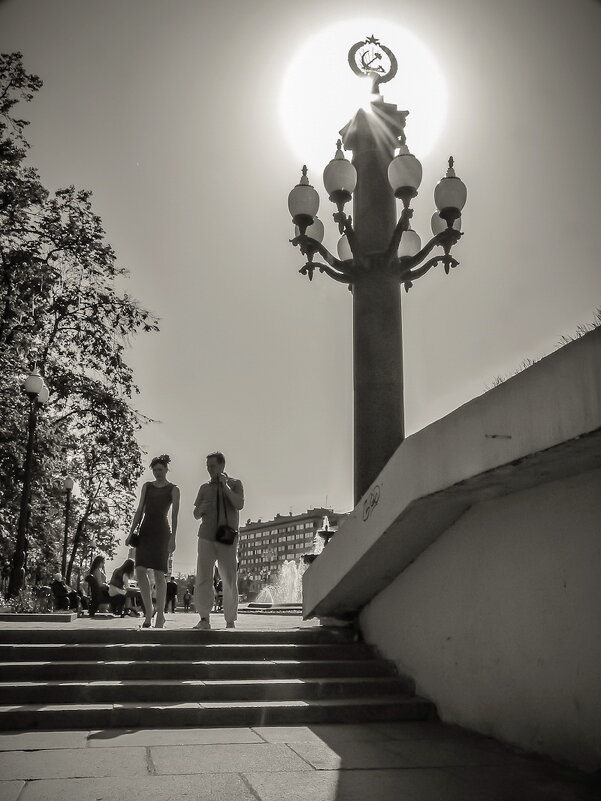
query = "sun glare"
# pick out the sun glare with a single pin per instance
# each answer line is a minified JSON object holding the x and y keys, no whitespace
{"x":320,"y":93}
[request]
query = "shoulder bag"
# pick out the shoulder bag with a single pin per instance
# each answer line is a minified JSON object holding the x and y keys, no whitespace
{"x":225,"y":534}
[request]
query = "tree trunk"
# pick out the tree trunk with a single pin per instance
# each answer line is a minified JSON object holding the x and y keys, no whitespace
{"x":77,"y":538}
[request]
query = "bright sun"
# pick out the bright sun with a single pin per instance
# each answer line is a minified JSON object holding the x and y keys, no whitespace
{"x":320,"y":93}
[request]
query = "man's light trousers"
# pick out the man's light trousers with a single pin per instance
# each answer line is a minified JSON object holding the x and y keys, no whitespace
{"x":226,"y":557}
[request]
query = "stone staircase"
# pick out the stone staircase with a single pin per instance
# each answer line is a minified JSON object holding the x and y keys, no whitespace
{"x":114,"y":678}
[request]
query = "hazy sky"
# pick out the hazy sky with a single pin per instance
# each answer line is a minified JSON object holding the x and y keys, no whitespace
{"x":169,"y":112}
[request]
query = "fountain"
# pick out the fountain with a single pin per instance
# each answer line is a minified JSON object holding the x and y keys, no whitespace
{"x":287,"y":588}
{"x":286,"y":593}
{"x":320,"y":540}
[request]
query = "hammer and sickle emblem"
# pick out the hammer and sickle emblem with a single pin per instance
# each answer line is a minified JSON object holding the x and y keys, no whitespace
{"x":363,"y":58}
{"x":367,"y":65}
{"x":370,"y":503}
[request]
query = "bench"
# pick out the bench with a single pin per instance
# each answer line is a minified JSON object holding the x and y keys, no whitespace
{"x":63,"y":597}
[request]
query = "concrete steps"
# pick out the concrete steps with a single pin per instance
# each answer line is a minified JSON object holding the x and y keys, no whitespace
{"x":98,"y":692}
{"x":44,"y":652}
{"x":103,"y":678}
{"x":114,"y":636}
{"x":115,"y":670}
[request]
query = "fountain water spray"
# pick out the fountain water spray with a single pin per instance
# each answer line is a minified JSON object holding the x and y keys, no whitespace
{"x":288,"y":586}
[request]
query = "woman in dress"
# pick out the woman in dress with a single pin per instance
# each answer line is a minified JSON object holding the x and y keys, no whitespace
{"x":156,"y":539}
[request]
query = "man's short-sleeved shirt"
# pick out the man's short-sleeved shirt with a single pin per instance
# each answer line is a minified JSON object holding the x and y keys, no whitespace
{"x":207,"y":498}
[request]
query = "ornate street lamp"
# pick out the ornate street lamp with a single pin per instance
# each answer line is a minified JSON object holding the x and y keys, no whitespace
{"x":68,"y":488}
{"x":37,"y":392}
{"x":376,"y":252}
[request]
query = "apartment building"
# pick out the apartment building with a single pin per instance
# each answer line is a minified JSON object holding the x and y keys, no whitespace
{"x":265,"y":544}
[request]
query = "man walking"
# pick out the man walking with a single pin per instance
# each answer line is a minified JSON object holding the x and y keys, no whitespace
{"x":218,"y":502}
{"x":171,"y":595}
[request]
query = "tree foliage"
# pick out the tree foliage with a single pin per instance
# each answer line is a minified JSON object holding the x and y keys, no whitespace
{"x":61,"y":309}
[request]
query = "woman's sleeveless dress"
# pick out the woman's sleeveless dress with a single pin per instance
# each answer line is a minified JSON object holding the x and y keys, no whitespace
{"x":153,"y":549}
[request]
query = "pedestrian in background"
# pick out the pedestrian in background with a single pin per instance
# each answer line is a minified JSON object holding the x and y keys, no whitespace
{"x":171,"y":595}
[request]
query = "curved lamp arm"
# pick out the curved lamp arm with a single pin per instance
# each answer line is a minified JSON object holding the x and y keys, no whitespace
{"x":446,"y":239}
{"x":309,"y":246}
{"x":411,"y":275}
{"x":401,"y":226}
{"x":348,"y":229}
{"x":343,"y":277}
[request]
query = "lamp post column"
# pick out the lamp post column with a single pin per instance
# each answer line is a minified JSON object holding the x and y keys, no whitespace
{"x":376,"y":253}
{"x":377,"y":326}
{"x":16,"y":576}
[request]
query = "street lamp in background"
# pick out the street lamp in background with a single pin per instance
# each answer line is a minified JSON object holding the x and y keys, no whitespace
{"x":68,"y":488}
{"x":37,"y":392}
{"x":376,"y":252}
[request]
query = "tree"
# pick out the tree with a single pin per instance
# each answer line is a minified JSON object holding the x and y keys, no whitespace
{"x":61,"y":309}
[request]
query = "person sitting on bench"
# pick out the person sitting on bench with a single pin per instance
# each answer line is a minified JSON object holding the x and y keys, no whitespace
{"x":64,"y":596}
{"x":118,"y":593}
{"x":97,"y":586}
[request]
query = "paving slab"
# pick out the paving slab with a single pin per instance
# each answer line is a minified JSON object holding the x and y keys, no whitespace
{"x":444,"y":753}
{"x":10,"y":791}
{"x":120,"y":764}
{"x":348,"y":755}
{"x":346,"y":732}
{"x":110,"y":738}
{"x":287,"y":734}
{"x":73,"y":763}
{"x":40,"y":740}
{"x":319,"y":732}
{"x":209,"y":787}
{"x":226,"y":758}
{"x":420,"y":730}
{"x":531,"y":780}
{"x":359,"y":785}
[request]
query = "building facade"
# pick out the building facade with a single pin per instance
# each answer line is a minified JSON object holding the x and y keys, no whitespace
{"x":266,"y":544}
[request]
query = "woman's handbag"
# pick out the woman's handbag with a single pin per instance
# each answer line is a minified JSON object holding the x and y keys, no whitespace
{"x":134,"y":539}
{"x":225,"y":534}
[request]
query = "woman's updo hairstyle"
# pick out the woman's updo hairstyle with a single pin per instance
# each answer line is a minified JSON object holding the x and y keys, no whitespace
{"x":164,"y":459}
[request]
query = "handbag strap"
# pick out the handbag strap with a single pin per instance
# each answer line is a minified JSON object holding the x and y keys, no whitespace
{"x":220,"y":497}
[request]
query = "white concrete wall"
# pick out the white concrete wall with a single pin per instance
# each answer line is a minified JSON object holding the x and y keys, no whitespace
{"x":537,"y":426}
{"x":499,"y":620}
